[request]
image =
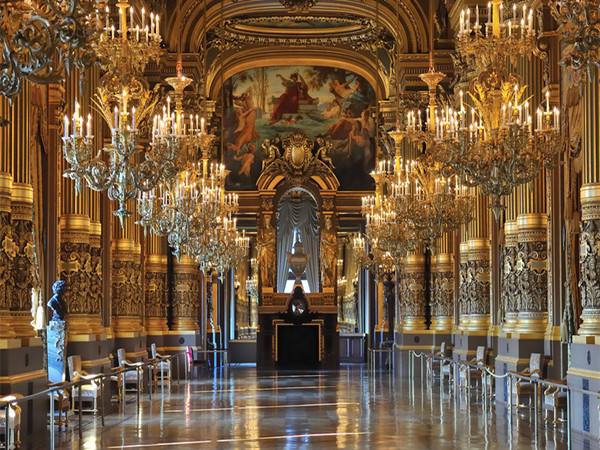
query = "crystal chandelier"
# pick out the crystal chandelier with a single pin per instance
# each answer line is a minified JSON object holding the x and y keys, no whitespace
{"x":41,"y":40}
{"x":496,"y":145}
{"x":388,"y":235}
{"x":580,"y":20}
{"x":432,"y":201}
{"x":124,"y":104}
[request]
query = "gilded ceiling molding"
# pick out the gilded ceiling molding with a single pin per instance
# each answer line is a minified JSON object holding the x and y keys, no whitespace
{"x":289,"y":56}
{"x":411,"y":31}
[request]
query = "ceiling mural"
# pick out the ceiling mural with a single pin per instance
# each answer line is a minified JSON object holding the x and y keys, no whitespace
{"x":262,"y":106}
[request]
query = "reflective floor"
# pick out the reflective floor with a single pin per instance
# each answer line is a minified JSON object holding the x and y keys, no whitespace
{"x":349,"y":409}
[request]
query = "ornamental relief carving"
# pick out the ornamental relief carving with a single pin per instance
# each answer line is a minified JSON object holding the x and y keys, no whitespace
{"x":187,"y":295}
{"x":478,"y":287}
{"x":22,"y":278}
{"x":411,"y":290}
{"x":462,"y":288}
{"x":509,"y":279}
{"x":78,"y":270}
{"x":8,"y":251}
{"x":589,"y":263}
{"x":156,"y":294}
{"x":96,"y":278}
{"x":532,"y":276}
{"x":127,"y":296}
{"x":442,"y":294}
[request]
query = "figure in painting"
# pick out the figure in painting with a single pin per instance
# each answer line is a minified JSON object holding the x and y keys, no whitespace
{"x":245,"y":112}
{"x":247,"y":159}
{"x":270,"y":103}
{"x":296,"y":91}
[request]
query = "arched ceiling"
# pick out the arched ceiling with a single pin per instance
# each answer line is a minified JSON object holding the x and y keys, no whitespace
{"x":364,"y":36}
{"x":408,"y":25}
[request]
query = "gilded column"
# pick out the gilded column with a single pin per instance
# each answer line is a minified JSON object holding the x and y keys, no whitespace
{"x":187,"y":296}
{"x":156,"y":286}
{"x":589,"y":256}
{"x":477,"y":274}
{"x":7,"y":245}
{"x":509,"y":261}
{"x":532,"y":258}
{"x":411,"y":293}
{"x":127,"y":293}
{"x":442,"y":285}
{"x":22,"y":277}
{"x":77,"y":266}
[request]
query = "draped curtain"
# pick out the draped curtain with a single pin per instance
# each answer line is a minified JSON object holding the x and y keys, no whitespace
{"x":300,"y":215}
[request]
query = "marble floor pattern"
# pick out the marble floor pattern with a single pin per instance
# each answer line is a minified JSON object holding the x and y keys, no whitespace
{"x":347,"y":409}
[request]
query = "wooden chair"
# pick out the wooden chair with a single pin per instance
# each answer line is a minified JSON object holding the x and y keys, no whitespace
{"x":555,"y":400}
{"x":437,"y":363}
{"x":192,"y":362}
{"x":90,"y":393}
{"x":62,"y":404}
{"x":162,"y":368}
{"x":130,"y":378}
{"x":468,"y":373}
{"x":13,"y":440}
{"x":525,"y":388}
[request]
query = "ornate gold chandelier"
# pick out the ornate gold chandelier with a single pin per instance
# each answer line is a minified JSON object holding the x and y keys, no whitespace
{"x":41,"y":40}
{"x":125,"y":104}
{"x":496,"y":144}
{"x":431,"y":201}
{"x":388,"y":237}
{"x":580,"y":21}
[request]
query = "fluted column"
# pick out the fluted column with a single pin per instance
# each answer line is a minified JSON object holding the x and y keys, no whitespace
{"x":476,"y":284}
{"x":80,"y":253}
{"x":187,"y":295}
{"x":7,"y":247}
{"x":22,"y":277}
{"x":442,"y":285}
{"x":589,"y":256}
{"x":411,"y":293}
{"x":156,"y":286}
{"x":127,"y":293}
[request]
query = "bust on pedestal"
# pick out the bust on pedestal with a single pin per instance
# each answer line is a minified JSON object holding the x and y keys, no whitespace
{"x":57,"y":334}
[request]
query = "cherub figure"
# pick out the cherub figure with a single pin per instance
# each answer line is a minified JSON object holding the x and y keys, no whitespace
{"x":272,"y":152}
{"x":323,"y":148}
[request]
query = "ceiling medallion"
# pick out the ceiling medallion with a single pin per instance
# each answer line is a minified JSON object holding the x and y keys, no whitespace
{"x":298,"y":5}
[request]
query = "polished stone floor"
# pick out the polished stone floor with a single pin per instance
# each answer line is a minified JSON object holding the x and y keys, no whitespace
{"x":348,"y":409}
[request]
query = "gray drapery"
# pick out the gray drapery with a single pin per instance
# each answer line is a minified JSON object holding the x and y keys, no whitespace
{"x":300,"y":215}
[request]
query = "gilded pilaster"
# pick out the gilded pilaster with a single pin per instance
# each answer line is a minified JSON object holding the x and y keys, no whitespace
{"x":589,"y":256}
{"x":475,"y":279}
{"x":411,"y":293}
{"x":127,"y":292}
{"x":80,"y":231}
{"x":187,"y":295}
{"x":156,"y":285}
{"x":22,"y":277}
{"x":509,"y":277}
{"x":442,"y":285}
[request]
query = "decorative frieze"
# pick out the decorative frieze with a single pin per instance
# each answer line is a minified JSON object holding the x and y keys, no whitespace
{"x":510,"y":294}
{"x":187,"y":295}
{"x":127,"y":295}
{"x":442,"y":292}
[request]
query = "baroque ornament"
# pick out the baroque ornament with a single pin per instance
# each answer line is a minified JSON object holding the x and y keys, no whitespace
{"x":298,"y":5}
{"x":43,"y":39}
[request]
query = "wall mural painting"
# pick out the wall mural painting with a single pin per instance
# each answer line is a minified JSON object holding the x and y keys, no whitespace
{"x":262,"y":106}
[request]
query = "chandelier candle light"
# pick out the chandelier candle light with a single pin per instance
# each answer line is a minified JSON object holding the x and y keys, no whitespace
{"x":493,"y":138}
